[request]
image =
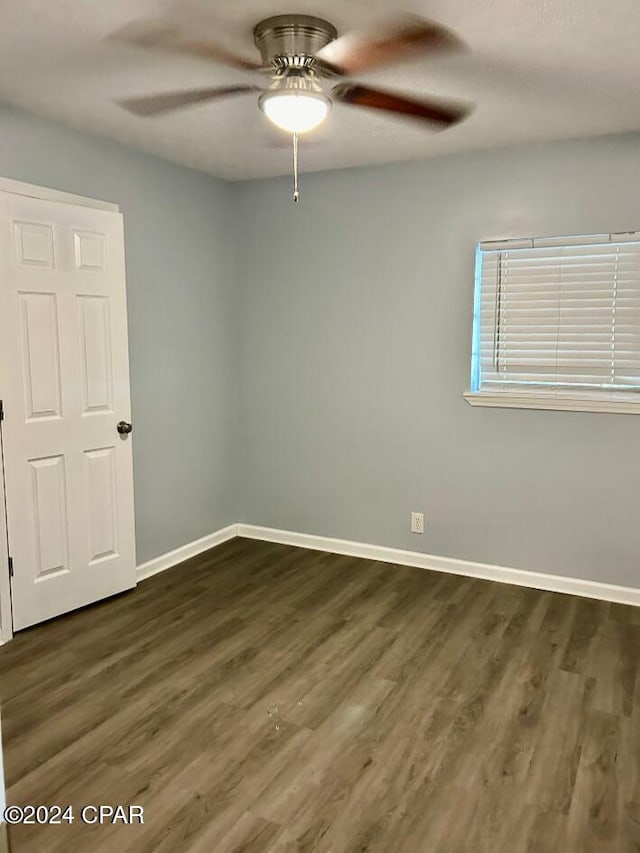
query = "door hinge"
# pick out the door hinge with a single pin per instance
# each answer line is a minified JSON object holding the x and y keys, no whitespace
{"x":10,"y":567}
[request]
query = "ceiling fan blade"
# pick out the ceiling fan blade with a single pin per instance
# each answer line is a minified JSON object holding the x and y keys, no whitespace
{"x":152,"y":105}
{"x":354,"y":53}
{"x":443,"y":113}
{"x":173,"y":38}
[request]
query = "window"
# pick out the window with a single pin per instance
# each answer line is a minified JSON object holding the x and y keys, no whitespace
{"x":557,"y":323}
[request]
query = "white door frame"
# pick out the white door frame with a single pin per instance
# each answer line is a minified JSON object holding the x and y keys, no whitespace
{"x":8,"y":185}
{"x":6,"y":619}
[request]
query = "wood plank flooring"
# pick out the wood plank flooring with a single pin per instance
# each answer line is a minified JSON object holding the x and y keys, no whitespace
{"x":268,"y":699}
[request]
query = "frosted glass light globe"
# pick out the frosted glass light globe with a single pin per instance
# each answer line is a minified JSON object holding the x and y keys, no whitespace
{"x":295,"y":112}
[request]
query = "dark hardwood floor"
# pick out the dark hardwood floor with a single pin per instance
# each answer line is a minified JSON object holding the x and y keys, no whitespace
{"x":266,"y":698}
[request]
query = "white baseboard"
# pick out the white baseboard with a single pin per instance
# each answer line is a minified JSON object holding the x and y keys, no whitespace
{"x":450,"y":565}
{"x":380,"y":553}
{"x":485,"y":571}
{"x":191,"y":549}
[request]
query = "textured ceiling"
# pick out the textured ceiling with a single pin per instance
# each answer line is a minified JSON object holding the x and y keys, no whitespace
{"x":537,"y":69}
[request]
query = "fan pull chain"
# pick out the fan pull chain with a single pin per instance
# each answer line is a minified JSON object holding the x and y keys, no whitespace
{"x":296,"y":194}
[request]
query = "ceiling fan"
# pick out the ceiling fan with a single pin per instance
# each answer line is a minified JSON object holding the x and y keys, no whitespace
{"x":302,"y":58}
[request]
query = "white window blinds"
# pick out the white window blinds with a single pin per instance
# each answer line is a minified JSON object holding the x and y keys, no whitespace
{"x":559,"y":314}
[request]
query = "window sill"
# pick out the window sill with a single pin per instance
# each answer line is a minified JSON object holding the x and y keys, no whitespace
{"x":556,"y":402}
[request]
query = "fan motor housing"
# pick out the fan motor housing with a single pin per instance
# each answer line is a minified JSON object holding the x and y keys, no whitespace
{"x":292,"y":39}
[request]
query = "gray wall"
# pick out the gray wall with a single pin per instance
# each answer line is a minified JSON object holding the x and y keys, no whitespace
{"x":356,"y":337}
{"x":182,"y":315}
{"x":346,"y":323}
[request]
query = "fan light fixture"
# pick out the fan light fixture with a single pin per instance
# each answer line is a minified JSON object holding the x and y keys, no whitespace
{"x":299,"y":54}
{"x":295,"y":112}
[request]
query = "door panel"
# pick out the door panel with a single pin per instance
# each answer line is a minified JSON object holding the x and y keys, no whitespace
{"x":96,"y":361}
{"x":90,"y":251}
{"x":33,"y":244}
{"x":102,"y":502}
{"x":50,"y":521}
{"x":38,"y":319}
{"x":65,"y":384}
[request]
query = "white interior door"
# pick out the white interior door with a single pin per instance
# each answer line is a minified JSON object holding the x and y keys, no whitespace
{"x":64,"y":382}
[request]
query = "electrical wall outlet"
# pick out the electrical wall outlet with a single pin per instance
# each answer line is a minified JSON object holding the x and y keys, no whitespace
{"x":417,"y":522}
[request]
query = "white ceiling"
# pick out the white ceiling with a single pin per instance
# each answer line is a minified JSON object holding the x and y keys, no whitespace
{"x":537,"y":69}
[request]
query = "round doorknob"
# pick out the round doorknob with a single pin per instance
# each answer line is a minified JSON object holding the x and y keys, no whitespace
{"x":124,"y":428}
